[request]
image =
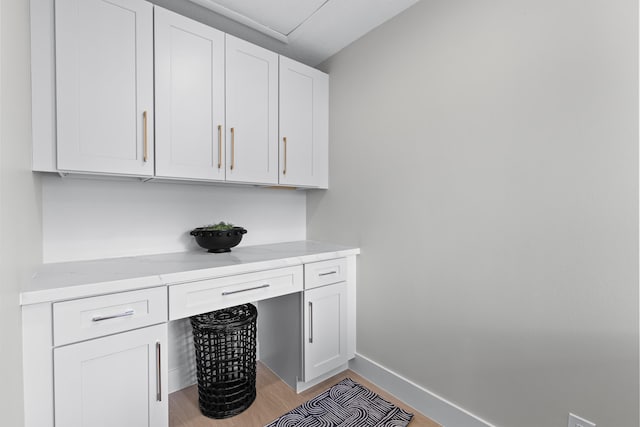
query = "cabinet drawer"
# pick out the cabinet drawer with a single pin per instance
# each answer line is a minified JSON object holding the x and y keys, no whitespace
{"x":188,"y":299}
{"x":325,"y":272}
{"x":93,"y":317}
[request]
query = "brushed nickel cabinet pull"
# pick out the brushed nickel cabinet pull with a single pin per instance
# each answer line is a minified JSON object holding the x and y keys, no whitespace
{"x":129,"y":312}
{"x":310,"y":322}
{"x":145,"y":138}
{"x":245,"y":290}
{"x":284,"y":141}
{"x":219,"y":146}
{"x":327,"y":273}
{"x":158,"y":372}
{"x":233,"y":147}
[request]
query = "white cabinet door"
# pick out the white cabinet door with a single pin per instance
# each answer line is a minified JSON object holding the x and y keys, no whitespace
{"x":104,"y":86}
{"x":252,"y":113}
{"x":304,"y":125}
{"x":119,"y":380}
{"x":189,"y":66}
{"x":325,"y":329}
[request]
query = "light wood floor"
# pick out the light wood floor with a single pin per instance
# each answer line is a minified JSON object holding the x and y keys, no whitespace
{"x":274,"y":399}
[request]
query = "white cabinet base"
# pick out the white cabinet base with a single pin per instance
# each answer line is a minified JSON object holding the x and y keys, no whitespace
{"x":113,"y":381}
{"x":37,"y":364}
{"x":306,"y":385}
{"x":325,"y":329}
{"x":109,"y":374}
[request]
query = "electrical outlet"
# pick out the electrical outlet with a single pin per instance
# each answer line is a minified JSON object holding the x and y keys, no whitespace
{"x":576,"y":421}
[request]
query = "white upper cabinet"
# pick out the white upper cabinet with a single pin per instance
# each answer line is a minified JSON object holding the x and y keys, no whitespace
{"x":189,"y":83}
{"x":104,"y":86}
{"x":126,"y":88}
{"x":304,"y":125}
{"x":252,"y":113}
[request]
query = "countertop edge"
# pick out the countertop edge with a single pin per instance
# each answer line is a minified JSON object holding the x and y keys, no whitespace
{"x":88,"y":290}
{"x":61,"y":293}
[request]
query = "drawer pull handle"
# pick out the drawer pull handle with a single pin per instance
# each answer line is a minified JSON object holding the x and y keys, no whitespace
{"x":328,"y":273}
{"x":129,"y":312}
{"x":245,"y":290}
{"x":158,"y":372}
{"x":310,"y":322}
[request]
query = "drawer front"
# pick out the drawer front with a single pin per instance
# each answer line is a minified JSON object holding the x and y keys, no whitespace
{"x":188,"y":299}
{"x":323,"y":273}
{"x":93,"y":317}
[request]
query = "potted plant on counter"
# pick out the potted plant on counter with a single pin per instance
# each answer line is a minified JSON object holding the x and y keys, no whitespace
{"x":218,"y":238}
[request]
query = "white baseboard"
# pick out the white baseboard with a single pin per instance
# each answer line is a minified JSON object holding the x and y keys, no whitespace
{"x":430,"y":404}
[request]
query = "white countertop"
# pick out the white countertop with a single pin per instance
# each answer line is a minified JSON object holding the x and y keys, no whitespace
{"x":67,"y":280}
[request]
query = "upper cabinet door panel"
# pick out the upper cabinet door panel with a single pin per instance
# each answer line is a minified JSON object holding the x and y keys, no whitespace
{"x":304,"y":121}
{"x":252,"y":113}
{"x":189,"y":66}
{"x":104,"y":79}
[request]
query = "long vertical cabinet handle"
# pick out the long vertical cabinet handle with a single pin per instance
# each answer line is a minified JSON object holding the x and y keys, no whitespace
{"x":284,"y":141}
{"x":233,"y":148}
{"x":310,"y":322}
{"x":145,"y":137}
{"x":219,"y":146}
{"x":158,"y":372}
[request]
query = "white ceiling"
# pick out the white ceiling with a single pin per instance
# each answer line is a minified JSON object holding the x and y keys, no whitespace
{"x":310,"y":30}
{"x":283,"y":16}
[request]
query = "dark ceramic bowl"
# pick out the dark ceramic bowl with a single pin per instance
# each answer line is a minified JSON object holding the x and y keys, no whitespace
{"x":218,"y":242}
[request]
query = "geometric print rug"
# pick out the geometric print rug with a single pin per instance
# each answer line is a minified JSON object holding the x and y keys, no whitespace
{"x":346,"y":404}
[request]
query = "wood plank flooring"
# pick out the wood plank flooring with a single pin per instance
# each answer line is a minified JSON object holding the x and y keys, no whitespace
{"x":274,"y":399}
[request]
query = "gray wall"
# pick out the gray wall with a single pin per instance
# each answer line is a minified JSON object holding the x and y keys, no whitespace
{"x":20,"y":224}
{"x":484,"y":156}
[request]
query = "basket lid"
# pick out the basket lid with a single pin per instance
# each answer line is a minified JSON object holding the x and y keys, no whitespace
{"x":226,"y":317}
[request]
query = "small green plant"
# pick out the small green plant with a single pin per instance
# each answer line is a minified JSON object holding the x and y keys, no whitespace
{"x":221,"y":226}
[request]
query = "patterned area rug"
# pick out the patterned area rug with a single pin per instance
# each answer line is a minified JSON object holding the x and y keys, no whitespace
{"x":346,"y":404}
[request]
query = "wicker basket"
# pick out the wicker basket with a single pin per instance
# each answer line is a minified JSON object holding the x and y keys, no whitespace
{"x":225,"y":344}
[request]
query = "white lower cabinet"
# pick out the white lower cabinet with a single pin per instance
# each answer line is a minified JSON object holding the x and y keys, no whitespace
{"x":325,"y":329}
{"x":113,"y":381}
{"x":100,"y":360}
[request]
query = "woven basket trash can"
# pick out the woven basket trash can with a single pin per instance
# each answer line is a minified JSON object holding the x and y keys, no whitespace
{"x":225,"y":350}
